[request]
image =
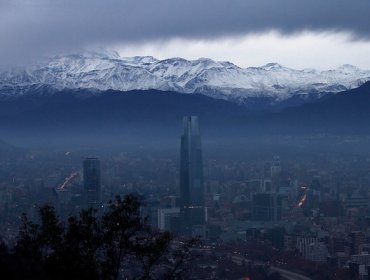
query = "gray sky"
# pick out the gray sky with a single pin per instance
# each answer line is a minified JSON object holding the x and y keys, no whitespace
{"x":297,"y":33}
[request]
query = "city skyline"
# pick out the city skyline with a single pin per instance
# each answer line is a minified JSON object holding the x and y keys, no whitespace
{"x":185,"y":139}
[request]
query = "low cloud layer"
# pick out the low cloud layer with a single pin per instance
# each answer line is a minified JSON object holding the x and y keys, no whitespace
{"x":306,"y":50}
{"x":33,"y":27}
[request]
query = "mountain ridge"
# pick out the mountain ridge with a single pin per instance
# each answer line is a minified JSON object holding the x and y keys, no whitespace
{"x":222,"y":80}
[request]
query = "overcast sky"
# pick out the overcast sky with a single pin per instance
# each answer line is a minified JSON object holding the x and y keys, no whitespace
{"x":295,"y":33}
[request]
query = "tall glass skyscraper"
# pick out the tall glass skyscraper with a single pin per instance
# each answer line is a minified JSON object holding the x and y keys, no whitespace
{"x":92,"y":182}
{"x":191,"y":174}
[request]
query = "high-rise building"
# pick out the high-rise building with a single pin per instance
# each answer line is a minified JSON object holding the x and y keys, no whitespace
{"x":266,"y":207}
{"x":275,"y":166}
{"x":191,"y":175}
{"x":92,"y":182}
{"x":357,"y":238}
{"x":165,"y":216}
{"x":312,"y":249}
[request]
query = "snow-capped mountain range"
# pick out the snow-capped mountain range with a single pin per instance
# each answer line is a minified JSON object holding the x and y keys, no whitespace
{"x":108,"y":70}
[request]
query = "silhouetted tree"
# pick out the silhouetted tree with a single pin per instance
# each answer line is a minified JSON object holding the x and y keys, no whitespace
{"x":119,"y":225}
{"x":181,"y":257}
{"x":89,"y":246}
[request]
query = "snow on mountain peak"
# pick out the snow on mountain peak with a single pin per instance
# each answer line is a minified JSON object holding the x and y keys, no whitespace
{"x":102,"y":53}
{"x":271,"y":66}
{"x":103,"y":70}
{"x":139,"y":60}
{"x":348,"y":68}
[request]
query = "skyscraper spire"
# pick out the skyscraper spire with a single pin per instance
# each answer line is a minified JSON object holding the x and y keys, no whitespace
{"x":191,"y":165}
{"x":191,"y":175}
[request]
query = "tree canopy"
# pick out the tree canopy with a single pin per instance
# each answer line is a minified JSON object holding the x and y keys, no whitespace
{"x":115,"y":244}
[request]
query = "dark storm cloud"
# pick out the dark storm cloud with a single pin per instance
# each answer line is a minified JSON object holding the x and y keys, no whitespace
{"x":36,"y":26}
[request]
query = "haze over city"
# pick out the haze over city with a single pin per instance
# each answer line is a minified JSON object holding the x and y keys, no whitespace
{"x":184,"y":139}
